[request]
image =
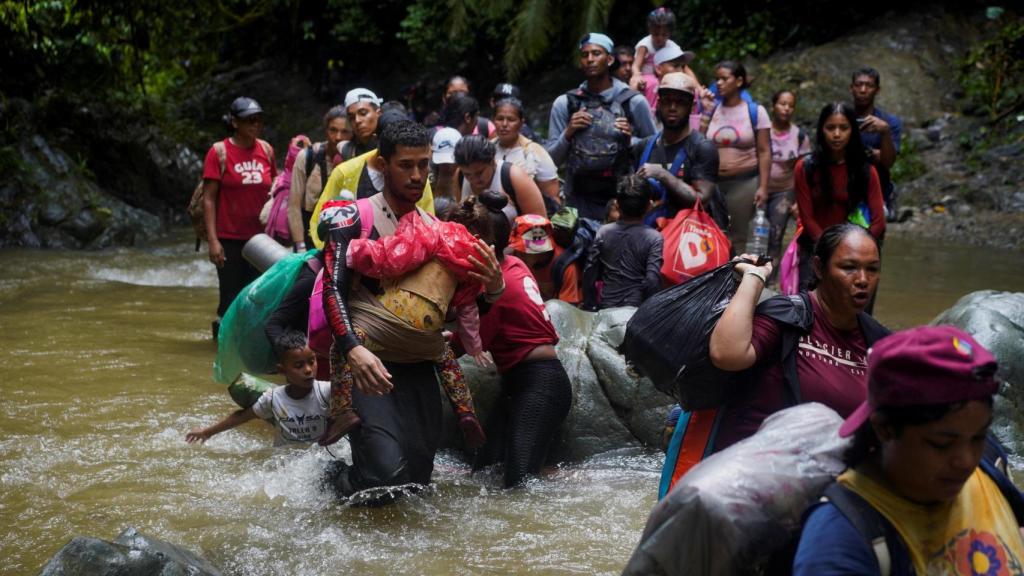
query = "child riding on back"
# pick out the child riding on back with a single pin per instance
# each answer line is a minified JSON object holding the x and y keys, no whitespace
{"x":661,"y":23}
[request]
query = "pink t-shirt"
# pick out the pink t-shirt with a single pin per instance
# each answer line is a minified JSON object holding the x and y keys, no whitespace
{"x":787,"y":148}
{"x":831,"y":365}
{"x":731,"y":131}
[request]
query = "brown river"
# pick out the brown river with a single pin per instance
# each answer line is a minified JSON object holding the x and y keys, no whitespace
{"x":106,"y":364}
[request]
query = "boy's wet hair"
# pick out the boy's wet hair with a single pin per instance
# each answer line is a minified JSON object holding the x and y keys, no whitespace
{"x":633,"y":196}
{"x":290,"y":340}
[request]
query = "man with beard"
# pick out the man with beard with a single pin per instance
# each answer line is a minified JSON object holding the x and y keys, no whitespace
{"x":681,"y":163}
{"x":395,"y":391}
{"x":590,"y":129}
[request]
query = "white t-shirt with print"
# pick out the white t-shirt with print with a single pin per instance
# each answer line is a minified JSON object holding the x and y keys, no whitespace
{"x":301,"y":420}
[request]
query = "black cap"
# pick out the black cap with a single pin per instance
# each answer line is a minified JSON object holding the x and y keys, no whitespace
{"x":243,"y":107}
{"x":506,"y":90}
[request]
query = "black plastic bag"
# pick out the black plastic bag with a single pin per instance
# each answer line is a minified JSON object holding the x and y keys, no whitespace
{"x":668,"y":339}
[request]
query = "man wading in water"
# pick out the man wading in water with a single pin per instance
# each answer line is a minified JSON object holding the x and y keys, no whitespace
{"x":396,"y":393}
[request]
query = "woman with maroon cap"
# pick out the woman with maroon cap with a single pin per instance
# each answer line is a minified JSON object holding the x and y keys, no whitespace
{"x":914,"y":499}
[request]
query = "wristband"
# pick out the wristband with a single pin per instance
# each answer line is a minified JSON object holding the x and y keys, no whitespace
{"x":299,"y":246}
{"x":757,"y":274}
{"x":492,"y":297}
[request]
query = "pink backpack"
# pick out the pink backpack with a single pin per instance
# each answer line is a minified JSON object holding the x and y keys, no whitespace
{"x":789,"y":269}
{"x":318,"y":331}
{"x":277,"y":219}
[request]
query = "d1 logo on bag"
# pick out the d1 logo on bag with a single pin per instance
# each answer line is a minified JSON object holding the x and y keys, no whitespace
{"x":693,"y":245}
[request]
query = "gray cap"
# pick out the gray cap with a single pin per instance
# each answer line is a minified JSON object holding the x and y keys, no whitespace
{"x":243,"y":107}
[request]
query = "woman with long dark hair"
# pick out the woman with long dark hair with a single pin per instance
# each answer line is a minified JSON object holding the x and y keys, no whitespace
{"x":836,"y":183}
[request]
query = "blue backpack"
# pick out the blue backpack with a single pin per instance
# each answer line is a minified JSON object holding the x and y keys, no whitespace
{"x":660,"y":209}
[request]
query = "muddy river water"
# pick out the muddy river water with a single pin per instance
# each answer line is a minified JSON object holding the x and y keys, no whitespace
{"x":105,"y":364}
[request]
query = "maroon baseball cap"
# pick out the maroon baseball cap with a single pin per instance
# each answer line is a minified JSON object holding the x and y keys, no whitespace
{"x":925,"y":365}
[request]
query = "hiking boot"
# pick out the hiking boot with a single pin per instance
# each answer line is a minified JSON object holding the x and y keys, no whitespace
{"x":337,"y":427}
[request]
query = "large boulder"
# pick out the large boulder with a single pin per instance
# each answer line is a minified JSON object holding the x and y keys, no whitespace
{"x":130,"y":554}
{"x":51,"y":201}
{"x":996,"y":320}
{"x":612,"y":407}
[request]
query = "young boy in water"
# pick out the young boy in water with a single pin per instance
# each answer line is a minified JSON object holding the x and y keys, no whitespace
{"x":297,"y":410}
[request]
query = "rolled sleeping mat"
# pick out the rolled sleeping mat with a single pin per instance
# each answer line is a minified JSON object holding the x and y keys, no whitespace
{"x":262,"y":251}
{"x":247,"y":389}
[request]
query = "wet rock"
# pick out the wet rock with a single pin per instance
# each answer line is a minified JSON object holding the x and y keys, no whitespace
{"x":996,"y":320}
{"x":52,"y":202}
{"x":612,"y":407}
{"x":130,"y":554}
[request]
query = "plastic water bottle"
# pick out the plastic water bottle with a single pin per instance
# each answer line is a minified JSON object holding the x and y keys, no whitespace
{"x":757,"y":238}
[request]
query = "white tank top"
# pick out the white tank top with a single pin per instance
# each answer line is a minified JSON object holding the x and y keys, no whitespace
{"x":510,"y":209}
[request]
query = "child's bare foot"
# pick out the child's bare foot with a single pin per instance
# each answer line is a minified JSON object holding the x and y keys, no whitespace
{"x":337,"y":427}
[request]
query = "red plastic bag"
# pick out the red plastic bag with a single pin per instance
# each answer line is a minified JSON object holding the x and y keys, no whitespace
{"x":414,"y":243}
{"x":693,"y":245}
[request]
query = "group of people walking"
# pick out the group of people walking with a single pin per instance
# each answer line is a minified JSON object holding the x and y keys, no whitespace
{"x":442,"y":241}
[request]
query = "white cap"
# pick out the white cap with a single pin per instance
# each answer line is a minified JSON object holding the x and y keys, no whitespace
{"x":443,"y":146}
{"x":670,"y":52}
{"x":360,"y":94}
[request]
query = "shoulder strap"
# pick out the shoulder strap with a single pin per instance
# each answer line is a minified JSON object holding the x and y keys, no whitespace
{"x":794,"y":315}
{"x":222,"y":156}
{"x":506,"y":182}
{"x":872,"y":329}
{"x":268,"y":150}
{"x":622,"y":99}
{"x":647,"y":150}
{"x":365,"y":217}
{"x":868,"y":522}
{"x":752,"y":110}
{"x":310,"y":158}
{"x":994,"y":463}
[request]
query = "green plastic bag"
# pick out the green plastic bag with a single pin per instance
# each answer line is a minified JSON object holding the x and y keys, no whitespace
{"x":241,"y":344}
{"x":861,"y":215}
{"x":247,"y":389}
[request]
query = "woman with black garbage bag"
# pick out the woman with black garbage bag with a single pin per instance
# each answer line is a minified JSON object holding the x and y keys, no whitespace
{"x":824,"y":363}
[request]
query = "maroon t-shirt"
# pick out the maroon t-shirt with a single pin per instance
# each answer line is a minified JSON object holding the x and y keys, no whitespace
{"x":831,"y":365}
{"x":518,"y":322}
{"x":248,"y":175}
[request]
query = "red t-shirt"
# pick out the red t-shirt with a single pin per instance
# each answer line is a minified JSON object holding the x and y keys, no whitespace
{"x":831,"y":365}
{"x":248,"y":175}
{"x":816,"y":214}
{"x":518,"y":322}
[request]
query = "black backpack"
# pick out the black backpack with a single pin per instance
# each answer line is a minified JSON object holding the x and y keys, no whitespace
{"x":586,"y":231}
{"x":601,"y":149}
{"x":318,"y":155}
{"x":550,"y":204}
